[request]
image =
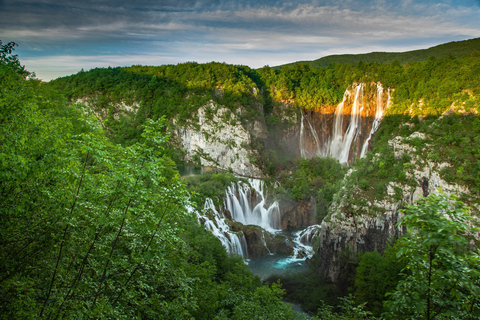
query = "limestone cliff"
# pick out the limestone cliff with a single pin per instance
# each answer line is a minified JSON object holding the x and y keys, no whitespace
{"x":297,"y":214}
{"x":217,"y":139}
{"x":353,"y":228}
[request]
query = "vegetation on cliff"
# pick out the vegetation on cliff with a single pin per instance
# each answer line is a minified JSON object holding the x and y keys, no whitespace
{"x":94,"y":219}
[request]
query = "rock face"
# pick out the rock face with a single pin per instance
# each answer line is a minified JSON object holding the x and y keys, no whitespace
{"x":349,"y":231}
{"x":296,"y":215}
{"x":347,"y":236}
{"x":219,"y":140}
{"x":261,"y":242}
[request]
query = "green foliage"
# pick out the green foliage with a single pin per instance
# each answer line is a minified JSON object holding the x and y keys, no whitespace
{"x":166,"y":91}
{"x":455,"y":140}
{"x":376,"y":275}
{"x":92,"y":229}
{"x":457,"y":49}
{"x":348,"y":311}
{"x":264,"y":303}
{"x":441,"y":277}
{"x":318,"y":177}
{"x":308,"y":290}
{"x":7,"y":58}
{"x":209,"y":185}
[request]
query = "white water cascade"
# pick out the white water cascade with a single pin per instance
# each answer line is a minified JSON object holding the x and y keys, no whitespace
{"x":334,"y":147}
{"x":353,"y":129}
{"x":234,"y":243}
{"x":340,"y":144}
{"x":303,"y":241}
{"x":303,"y":152}
{"x":248,"y":207}
{"x":245,"y":203}
{"x":378,"y":117}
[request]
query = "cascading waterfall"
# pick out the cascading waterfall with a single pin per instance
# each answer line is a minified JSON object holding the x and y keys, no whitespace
{"x":303,"y":151}
{"x":389,"y":100}
{"x":334,"y":148}
{"x":234,"y":243}
{"x":340,"y":144}
{"x":353,"y":127}
{"x":239,"y":201}
{"x":246,"y":204}
{"x":307,"y":235}
{"x":304,"y":242}
{"x":378,"y":117}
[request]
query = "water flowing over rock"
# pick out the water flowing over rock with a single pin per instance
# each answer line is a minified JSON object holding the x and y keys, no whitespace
{"x":234,"y":242}
{"x":304,"y":242}
{"x":378,"y":117}
{"x":248,"y":227}
{"x":246,"y":204}
{"x":344,"y":134}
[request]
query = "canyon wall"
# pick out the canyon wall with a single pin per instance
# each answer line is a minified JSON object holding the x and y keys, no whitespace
{"x":353,"y":229}
{"x":218,"y":140}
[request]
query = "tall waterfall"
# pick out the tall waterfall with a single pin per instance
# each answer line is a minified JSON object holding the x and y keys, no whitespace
{"x":248,"y":207}
{"x":341,"y":142}
{"x":378,"y":117}
{"x":354,"y":127}
{"x":303,"y":151}
{"x":346,"y":139}
{"x":334,"y":148}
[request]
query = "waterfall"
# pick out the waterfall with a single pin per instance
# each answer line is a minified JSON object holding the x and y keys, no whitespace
{"x":303,"y":241}
{"x":302,"y":140}
{"x":246,"y":204}
{"x":389,"y":100}
{"x":303,"y":152}
{"x":353,"y":127}
{"x":341,"y":143}
{"x":246,"y":210}
{"x":378,"y":118}
{"x":234,"y":243}
{"x":307,"y":235}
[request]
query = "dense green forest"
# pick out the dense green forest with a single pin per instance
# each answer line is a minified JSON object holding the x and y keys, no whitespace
{"x":457,"y":49}
{"x":94,"y":229}
{"x":97,"y":223}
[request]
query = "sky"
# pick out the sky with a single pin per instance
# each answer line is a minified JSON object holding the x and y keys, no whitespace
{"x":59,"y":38}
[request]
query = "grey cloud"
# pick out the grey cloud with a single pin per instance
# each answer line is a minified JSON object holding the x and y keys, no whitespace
{"x":206,"y":30}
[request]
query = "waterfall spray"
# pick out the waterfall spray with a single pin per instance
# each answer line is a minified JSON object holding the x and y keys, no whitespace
{"x":378,"y":118}
{"x":244,"y":209}
{"x":234,"y":242}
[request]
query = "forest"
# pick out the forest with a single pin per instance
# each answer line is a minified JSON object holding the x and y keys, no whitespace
{"x":96,"y":221}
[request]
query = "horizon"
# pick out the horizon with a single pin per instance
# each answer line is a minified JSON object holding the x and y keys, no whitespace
{"x":60,"y":39}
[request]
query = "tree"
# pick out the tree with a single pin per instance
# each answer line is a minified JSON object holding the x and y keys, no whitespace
{"x":441,"y":278}
{"x":9,"y":59}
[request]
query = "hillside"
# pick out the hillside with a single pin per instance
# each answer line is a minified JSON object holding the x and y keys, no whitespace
{"x":343,"y":169}
{"x":456,"y":49}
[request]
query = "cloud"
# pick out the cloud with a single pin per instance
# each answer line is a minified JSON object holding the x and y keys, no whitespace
{"x":70,"y":35}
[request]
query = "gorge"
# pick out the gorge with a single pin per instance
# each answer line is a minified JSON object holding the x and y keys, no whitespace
{"x":354,"y":122}
{"x":332,"y":178}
